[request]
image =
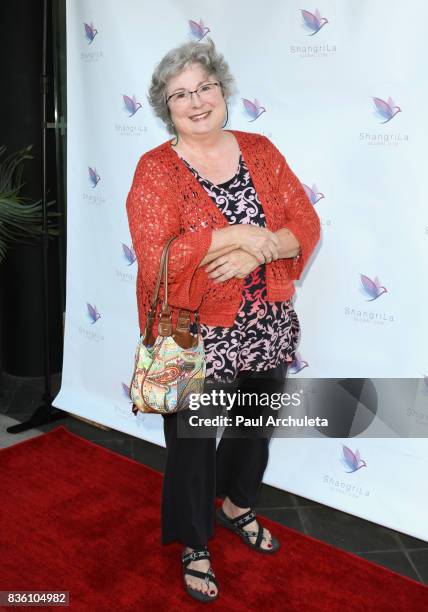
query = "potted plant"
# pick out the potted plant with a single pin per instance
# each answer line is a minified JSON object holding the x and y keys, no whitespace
{"x":21,"y":218}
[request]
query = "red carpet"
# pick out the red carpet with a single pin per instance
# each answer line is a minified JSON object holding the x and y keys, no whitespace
{"x":77,"y":517}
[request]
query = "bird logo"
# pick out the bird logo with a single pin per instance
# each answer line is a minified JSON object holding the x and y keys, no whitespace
{"x":129,"y":254}
{"x":350,"y":460}
{"x":90,"y":32}
{"x":385,"y":109}
{"x":198,"y":30}
{"x":313,"y":22}
{"x":371,"y":288}
{"x":131,"y":105}
{"x":297,"y":365}
{"x":253,"y":109}
{"x":126,"y":389}
{"x":313,"y":194}
{"x":94,"y":177}
{"x":93,"y":313}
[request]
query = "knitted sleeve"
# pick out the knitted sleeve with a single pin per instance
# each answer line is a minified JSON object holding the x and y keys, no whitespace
{"x":301,"y":218}
{"x":153,"y":217}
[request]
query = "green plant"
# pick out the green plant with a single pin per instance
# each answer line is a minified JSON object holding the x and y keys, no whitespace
{"x":20,"y":217}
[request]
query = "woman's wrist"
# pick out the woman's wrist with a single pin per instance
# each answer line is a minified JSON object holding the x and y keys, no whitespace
{"x":289,"y":245}
{"x":232,"y":236}
{"x":223,"y":241}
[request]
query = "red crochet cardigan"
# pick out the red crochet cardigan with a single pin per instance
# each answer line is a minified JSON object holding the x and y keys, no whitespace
{"x":165,"y":199}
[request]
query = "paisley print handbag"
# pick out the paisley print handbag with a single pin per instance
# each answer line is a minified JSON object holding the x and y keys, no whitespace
{"x":172,"y":366}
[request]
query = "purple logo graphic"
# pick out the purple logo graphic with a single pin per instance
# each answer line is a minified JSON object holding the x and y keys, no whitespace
{"x":198,"y":30}
{"x":297,"y":365}
{"x":129,"y":254}
{"x":94,"y":177}
{"x":385,"y":110}
{"x":313,"y":194}
{"x":313,"y":22}
{"x":126,"y":390}
{"x":351,"y":460}
{"x":253,"y":109}
{"x":90,"y":32}
{"x":92,"y":313}
{"x":371,"y":288}
{"x":130,"y":105}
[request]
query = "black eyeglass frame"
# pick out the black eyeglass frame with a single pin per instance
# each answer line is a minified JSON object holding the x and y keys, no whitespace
{"x":194,"y":91}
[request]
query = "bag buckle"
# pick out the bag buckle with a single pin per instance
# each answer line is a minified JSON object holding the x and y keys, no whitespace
{"x":165,"y":322}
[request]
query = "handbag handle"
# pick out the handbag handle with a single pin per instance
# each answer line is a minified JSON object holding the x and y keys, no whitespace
{"x":163,"y":271}
{"x":165,"y":326}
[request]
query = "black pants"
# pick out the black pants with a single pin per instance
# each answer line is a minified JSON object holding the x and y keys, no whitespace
{"x":196,"y":471}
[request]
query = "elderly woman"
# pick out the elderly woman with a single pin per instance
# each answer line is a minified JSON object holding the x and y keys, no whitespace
{"x":245,"y":231}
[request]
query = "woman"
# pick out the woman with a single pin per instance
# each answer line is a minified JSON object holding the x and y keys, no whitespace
{"x":246,"y":230}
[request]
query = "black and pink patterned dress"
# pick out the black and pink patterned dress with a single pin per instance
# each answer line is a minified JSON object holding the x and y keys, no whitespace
{"x":264,"y":334}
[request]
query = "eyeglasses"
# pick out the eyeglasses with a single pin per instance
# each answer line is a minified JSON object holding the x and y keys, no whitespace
{"x":183,"y":97}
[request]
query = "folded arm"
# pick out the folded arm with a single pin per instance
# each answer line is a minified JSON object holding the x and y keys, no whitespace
{"x":301,"y":231}
{"x":295,"y":241}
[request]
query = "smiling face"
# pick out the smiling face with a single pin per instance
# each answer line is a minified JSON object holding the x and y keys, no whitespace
{"x":196,"y":115}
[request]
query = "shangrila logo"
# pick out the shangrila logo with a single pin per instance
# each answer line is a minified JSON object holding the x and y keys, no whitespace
{"x":123,"y":410}
{"x":253,"y":109}
{"x":371,"y":288}
{"x":385,"y":110}
{"x":313,"y":22}
{"x":418,"y":412}
{"x":313,"y":194}
{"x":198,"y":30}
{"x":92,"y":313}
{"x":88,"y":332}
{"x":130,"y":128}
{"x":297,"y":365}
{"x":130,"y":105}
{"x":92,"y":197}
{"x":314,"y":197}
{"x":129,"y":254}
{"x":95,"y":53}
{"x":128,"y":257}
{"x":94,"y":177}
{"x":90,"y":32}
{"x":351,"y":461}
{"x":126,"y":390}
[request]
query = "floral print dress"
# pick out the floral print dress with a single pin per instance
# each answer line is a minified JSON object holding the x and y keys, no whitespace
{"x":264,"y":333}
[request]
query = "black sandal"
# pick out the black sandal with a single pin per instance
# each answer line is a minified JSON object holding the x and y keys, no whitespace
{"x":196,"y":555}
{"x":236,"y":525}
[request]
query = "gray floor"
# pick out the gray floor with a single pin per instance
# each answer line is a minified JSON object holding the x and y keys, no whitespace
{"x":406,"y":555}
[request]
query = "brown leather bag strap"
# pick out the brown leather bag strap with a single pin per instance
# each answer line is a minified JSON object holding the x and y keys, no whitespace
{"x":148,"y":336}
{"x":161,"y":273}
{"x":165,"y":326}
{"x":165,"y":320}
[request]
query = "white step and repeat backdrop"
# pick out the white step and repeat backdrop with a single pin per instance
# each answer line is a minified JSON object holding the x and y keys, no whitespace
{"x":341,"y":91}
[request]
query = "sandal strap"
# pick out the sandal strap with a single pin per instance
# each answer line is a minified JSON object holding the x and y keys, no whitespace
{"x":260,"y":536}
{"x":206,"y":576}
{"x":254,"y":534}
{"x":244,"y":519}
{"x":196,"y":555}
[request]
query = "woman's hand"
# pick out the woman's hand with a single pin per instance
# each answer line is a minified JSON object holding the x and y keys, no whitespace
{"x":236,"y":264}
{"x":257,"y":241}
